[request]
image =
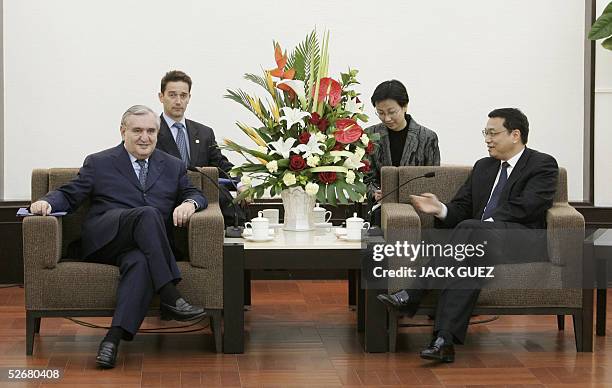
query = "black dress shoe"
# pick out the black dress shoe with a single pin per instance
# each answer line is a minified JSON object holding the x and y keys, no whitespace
{"x":401,"y":301}
{"x":107,"y":355}
{"x":181,"y":311}
{"x":439,"y":350}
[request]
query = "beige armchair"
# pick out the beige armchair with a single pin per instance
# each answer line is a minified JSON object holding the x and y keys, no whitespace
{"x":56,"y":288}
{"x":538,"y":288}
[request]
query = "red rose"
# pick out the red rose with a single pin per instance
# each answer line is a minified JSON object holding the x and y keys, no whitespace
{"x":323,"y":124}
{"x":304,"y":137}
{"x":338,"y":147}
{"x":327,"y":177}
{"x":314,"y":118}
{"x":370,"y":148}
{"x":366,"y":166}
{"x":297,"y":163}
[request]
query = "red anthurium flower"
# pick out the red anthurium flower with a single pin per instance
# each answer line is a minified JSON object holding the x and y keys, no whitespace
{"x":329,"y":87}
{"x":347,"y":131}
{"x":366,"y":166}
{"x":297,"y":163}
{"x":327,"y":177}
{"x":304,"y":137}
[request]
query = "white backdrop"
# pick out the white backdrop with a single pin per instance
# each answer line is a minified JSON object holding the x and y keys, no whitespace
{"x":72,"y":67}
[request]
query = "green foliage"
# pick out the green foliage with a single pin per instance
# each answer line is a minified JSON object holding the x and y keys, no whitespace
{"x":602,"y":28}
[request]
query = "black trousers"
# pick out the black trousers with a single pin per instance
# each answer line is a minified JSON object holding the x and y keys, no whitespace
{"x":506,"y":243}
{"x":146,"y":263}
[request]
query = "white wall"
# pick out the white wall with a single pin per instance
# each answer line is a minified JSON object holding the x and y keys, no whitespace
{"x":603,"y":121}
{"x":72,"y":67}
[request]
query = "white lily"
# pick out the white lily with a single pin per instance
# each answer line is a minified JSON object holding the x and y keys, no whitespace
{"x":293,"y":116}
{"x":313,"y":147}
{"x":353,"y":106}
{"x":282,"y":147}
{"x":298,"y":87}
{"x":353,"y":162}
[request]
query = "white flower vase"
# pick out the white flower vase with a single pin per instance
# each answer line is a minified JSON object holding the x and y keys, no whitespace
{"x":298,"y":209}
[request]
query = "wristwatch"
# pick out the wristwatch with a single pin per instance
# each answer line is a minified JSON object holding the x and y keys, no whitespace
{"x":192,"y":201}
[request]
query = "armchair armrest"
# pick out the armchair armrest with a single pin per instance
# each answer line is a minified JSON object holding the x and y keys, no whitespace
{"x":400,"y":221}
{"x":206,"y":231}
{"x":565,"y":233}
{"x":42,"y":242}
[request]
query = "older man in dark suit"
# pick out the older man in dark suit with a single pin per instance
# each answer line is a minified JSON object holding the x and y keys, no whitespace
{"x":505,"y":199}
{"x":136,"y":194}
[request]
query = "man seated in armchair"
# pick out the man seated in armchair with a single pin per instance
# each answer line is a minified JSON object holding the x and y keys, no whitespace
{"x":136,"y":194}
{"x":507,"y":194}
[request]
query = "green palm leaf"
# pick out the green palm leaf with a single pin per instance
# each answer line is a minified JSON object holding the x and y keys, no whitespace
{"x":306,"y":53}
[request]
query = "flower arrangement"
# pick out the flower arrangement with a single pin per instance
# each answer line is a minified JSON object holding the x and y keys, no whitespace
{"x":309,"y":135}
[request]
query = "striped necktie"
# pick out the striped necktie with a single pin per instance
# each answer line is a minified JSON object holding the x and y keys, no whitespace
{"x":181,"y":142}
{"x":142,"y":174}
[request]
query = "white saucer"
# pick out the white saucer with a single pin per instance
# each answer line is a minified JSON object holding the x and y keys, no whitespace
{"x":340,"y":232}
{"x":251,"y":239}
{"x":344,"y":237}
{"x":247,"y":232}
{"x":323,"y":225}
{"x":276,"y":225}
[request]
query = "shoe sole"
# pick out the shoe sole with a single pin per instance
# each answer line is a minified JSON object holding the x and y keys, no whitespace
{"x":104,"y":364}
{"x":166,"y":317}
{"x":441,"y":359}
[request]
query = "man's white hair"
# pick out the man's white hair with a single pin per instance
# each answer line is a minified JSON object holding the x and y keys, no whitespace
{"x":138,"y":110}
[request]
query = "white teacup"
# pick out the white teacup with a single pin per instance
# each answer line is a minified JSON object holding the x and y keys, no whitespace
{"x":354,"y":227}
{"x":259,"y":226}
{"x":272,"y":215}
{"x":320,"y":215}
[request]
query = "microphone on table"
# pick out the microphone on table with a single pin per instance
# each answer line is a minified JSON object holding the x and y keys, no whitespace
{"x":378,"y":203}
{"x":231,"y":231}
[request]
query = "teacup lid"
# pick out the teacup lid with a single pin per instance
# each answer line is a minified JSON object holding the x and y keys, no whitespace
{"x":259,"y":218}
{"x":354,"y":218}
{"x":318,"y":208}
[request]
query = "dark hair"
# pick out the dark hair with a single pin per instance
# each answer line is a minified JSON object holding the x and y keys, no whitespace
{"x":513,"y":119}
{"x":393,"y":90}
{"x":175,"y":76}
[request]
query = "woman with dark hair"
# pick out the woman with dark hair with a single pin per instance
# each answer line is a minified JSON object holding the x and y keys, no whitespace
{"x":403,"y":142}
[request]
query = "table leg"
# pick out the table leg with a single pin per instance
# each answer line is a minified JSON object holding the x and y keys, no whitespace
{"x":247,"y":287}
{"x":602,"y":296}
{"x":233,"y":299}
{"x":376,"y":335}
{"x":352,"y":287}
{"x":360,"y":294}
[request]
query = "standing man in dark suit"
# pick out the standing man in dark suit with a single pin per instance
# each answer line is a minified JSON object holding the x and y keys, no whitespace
{"x":188,"y":140}
{"x":136,"y":194}
{"x":507,"y":194}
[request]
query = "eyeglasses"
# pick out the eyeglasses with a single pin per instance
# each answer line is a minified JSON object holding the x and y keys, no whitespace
{"x":391,"y":113}
{"x":491,"y":133}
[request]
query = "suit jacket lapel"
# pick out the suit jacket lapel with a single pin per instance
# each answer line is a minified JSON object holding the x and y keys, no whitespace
{"x":516,"y":172}
{"x":385,"y":147}
{"x":122,"y":163}
{"x":156,"y":167}
{"x":194,"y":144}
{"x":165,"y":138}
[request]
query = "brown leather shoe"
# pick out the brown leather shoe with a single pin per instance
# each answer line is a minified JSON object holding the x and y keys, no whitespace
{"x":439,"y":350}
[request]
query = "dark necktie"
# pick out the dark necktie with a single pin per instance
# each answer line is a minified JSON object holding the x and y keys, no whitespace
{"x":493,"y":201}
{"x":142,"y":175}
{"x":181,"y":142}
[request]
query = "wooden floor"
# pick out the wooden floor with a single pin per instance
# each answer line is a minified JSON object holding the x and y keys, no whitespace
{"x":301,"y":333}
